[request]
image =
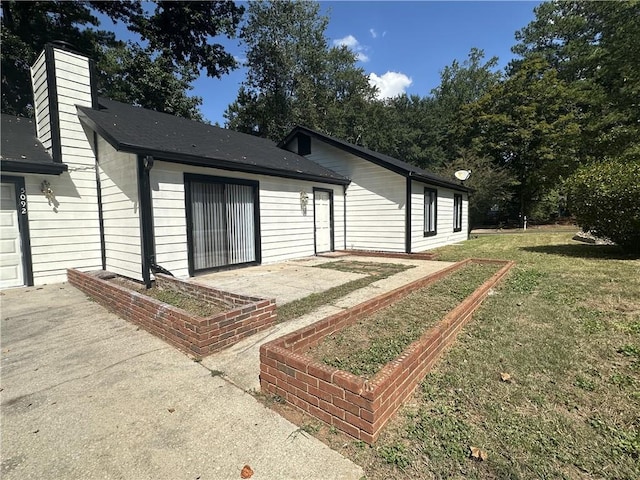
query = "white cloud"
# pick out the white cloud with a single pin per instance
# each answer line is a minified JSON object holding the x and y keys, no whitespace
{"x":348,"y":41}
{"x":353,"y":44}
{"x":390,"y":84}
{"x":373,"y":33}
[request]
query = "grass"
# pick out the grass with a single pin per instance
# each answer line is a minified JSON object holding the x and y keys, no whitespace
{"x":374,"y":272}
{"x":175,"y":298}
{"x":187,"y":302}
{"x":364,"y":347}
{"x":565,"y":325}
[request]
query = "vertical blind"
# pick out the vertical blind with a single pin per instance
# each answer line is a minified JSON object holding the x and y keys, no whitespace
{"x":223,"y":222}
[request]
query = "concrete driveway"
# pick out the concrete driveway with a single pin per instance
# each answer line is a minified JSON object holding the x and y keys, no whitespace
{"x":88,"y":395}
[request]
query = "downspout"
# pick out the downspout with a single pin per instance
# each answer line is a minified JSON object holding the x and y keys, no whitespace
{"x":407,"y":206}
{"x":344,"y":215}
{"x":103,"y":245}
{"x":468,"y":215}
{"x":145,"y":164}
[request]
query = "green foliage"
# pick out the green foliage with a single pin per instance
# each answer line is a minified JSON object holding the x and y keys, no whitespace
{"x":594,"y":44}
{"x":178,"y":43}
{"x":395,"y":454}
{"x":406,"y":127}
{"x":294,"y":77}
{"x":424,"y":131}
{"x":492,"y":184}
{"x":529,"y":124}
{"x":524,"y":280}
{"x":129,"y":74}
{"x":605,"y":198}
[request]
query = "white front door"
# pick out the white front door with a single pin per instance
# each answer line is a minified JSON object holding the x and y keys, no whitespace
{"x":322,"y":216}
{"x":11,"y":271}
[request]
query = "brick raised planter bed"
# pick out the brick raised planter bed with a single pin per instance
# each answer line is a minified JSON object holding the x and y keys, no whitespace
{"x":405,"y":256}
{"x":350,"y":403}
{"x":199,"y":336}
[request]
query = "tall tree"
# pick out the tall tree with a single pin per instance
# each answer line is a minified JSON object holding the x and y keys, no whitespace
{"x":594,"y":44}
{"x":406,"y":127}
{"x":179,"y":42}
{"x":530,"y":124}
{"x":460,"y":85}
{"x":294,"y":77}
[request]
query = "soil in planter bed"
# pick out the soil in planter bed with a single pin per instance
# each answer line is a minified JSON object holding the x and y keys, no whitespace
{"x":182,"y":300}
{"x":365,"y":346}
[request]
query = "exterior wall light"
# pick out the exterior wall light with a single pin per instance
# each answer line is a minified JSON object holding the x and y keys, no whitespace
{"x":304,"y":201}
{"x":45,"y":188}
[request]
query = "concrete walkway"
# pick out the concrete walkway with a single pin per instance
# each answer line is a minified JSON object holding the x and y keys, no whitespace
{"x":87,"y":395}
{"x":241,"y":362}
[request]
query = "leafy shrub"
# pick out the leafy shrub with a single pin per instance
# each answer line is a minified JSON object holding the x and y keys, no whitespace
{"x":605,"y":198}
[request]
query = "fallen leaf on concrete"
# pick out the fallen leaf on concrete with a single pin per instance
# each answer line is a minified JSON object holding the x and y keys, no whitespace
{"x":505,"y":377}
{"x":171,"y":410}
{"x":478,"y":454}
{"x":246,"y":472}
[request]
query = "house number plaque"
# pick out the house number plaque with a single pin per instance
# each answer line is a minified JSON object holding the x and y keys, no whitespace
{"x":23,"y":201}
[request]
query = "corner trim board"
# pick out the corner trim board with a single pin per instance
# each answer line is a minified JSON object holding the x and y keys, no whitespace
{"x":147,"y":243}
{"x":52,"y":96}
{"x":407,"y":227}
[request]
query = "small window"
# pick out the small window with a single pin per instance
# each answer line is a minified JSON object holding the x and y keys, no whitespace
{"x":304,"y":144}
{"x":457,"y":213}
{"x":430,"y":211}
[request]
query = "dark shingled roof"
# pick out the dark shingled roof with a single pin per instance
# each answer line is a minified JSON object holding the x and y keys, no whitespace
{"x":21,"y":151}
{"x":393,"y":164}
{"x":166,"y":137}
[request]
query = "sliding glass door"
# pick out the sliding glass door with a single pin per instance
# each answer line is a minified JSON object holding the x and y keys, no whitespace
{"x":222,"y":222}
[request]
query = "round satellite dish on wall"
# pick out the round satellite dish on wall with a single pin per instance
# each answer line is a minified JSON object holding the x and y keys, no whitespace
{"x":462,"y":175}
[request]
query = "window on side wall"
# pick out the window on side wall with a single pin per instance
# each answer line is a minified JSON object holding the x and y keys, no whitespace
{"x":430,"y":211}
{"x":457,"y":212}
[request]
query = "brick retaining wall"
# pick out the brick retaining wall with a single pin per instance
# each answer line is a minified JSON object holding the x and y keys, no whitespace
{"x":405,"y":256}
{"x":199,"y":336}
{"x":350,"y":403}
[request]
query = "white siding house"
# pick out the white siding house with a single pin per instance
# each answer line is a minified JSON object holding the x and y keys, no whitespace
{"x":286,"y":229}
{"x":96,"y":184}
{"x":391,"y":206}
{"x":375,"y":200}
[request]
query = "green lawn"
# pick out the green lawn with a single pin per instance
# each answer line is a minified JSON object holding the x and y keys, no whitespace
{"x":565,"y":325}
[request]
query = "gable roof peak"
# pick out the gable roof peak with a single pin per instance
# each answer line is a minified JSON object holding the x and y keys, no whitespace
{"x":398,"y":166}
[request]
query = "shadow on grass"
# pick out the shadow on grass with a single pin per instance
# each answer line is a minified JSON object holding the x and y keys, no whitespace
{"x":609,"y":252}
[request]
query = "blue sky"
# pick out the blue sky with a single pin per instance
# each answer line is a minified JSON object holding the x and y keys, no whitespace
{"x":402,"y":46}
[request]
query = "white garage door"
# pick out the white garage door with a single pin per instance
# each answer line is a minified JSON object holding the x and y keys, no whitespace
{"x":11,"y":271}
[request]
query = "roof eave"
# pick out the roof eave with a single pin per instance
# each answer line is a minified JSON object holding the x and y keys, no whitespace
{"x":17,"y":166}
{"x":199,"y":161}
{"x":438,"y":182}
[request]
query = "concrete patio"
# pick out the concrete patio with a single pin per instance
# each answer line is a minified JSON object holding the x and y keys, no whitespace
{"x":289,"y":281}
